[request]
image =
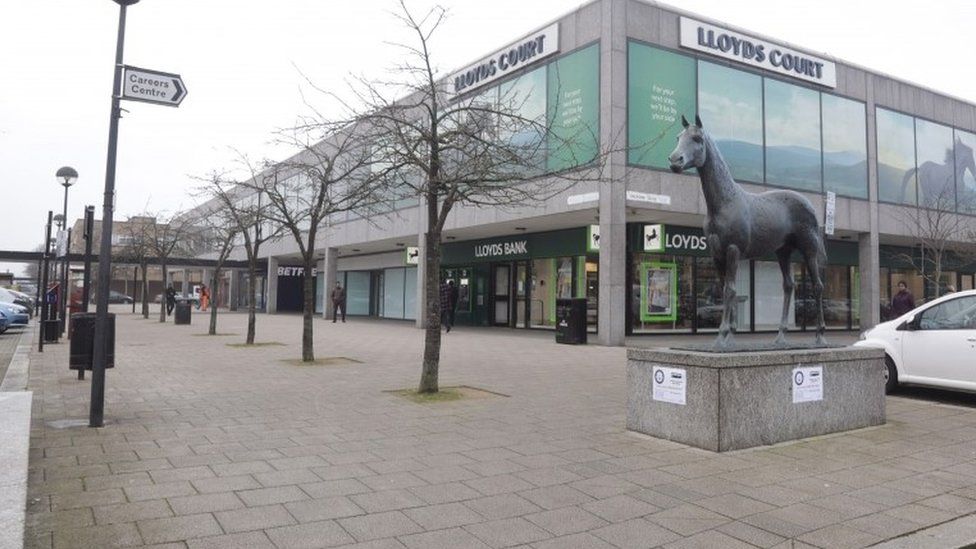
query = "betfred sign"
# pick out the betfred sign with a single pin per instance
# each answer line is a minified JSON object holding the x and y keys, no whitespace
{"x":524,"y":52}
{"x":295,"y":271}
{"x":742,"y":48}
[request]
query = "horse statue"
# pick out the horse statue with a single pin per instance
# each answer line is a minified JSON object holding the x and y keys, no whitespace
{"x":936,"y":181}
{"x":743,"y":225}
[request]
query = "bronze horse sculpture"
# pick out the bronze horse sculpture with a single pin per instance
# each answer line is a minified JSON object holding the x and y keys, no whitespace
{"x":743,"y":225}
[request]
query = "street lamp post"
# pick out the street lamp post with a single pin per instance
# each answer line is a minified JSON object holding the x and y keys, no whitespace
{"x":66,"y":176}
{"x":99,"y":355}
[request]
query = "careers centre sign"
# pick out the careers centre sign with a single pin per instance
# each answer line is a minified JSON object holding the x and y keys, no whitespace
{"x":507,"y":60}
{"x":759,"y":53}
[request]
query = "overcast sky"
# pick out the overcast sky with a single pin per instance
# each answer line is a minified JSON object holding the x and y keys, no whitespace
{"x":243,"y":60}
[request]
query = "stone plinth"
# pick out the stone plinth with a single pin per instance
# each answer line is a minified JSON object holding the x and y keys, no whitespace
{"x":740,"y":400}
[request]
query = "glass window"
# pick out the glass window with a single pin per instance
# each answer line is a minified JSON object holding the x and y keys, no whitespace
{"x":769,"y":296}
{"x":792,"y":136}
{"x":410,"y":293}
{"x":845,"y":151}
{"x":896,"y":157}
{"x":710,"y":295}
{"x":319,"y":293}
{"x":965,"y":145}
{"x":542,"y":296}
{"x":661,"y":294}
{"x":522,"y":104}
{"x":936,"y":180}
{"x":836,"y":305}
{"x":660,"y":88}
{"x":393,"y":293}
{"x":574,"y":109}
{"x":357,"y":292}
{"x":730,"y":106}
{"x":955,"y":314}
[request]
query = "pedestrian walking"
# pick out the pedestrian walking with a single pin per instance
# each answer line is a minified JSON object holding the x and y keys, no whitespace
{"x":902,"y":302}
{"x":170,"y":299}
{"x":204,"y":297}
{"x":338,"y":302}
{"x":449,"y":300}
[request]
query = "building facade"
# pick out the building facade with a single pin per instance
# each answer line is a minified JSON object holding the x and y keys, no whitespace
{"x":623,"y":72}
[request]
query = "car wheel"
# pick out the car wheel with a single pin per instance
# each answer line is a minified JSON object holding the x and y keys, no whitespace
{"x":890,"y":375}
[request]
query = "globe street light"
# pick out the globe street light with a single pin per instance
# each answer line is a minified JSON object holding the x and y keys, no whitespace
{"x":66,"y":176}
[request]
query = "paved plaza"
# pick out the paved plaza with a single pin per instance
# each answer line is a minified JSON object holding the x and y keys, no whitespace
{"x":208,"y":445}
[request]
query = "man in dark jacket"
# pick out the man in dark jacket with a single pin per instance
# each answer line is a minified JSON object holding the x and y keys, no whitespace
{"x":449,"y":299}
{"x":338,"y":302}
{"x":902,"y":302}
{"x":170,"y":299}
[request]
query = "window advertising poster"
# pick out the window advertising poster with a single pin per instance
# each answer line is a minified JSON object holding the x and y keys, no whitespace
{"x":574,"y":109}
{"x":659,"y":292}
{"x":660,"y":88}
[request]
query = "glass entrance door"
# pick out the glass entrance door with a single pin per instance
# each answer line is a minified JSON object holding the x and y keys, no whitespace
{"x":502,"y":294}
{"x":521,"y":294}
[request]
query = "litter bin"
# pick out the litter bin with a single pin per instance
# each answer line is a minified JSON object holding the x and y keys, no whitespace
{"x":181,"y":315}
{"x":83,"y":341}
{"x":52,"y":330}
{"x":571,"y":321}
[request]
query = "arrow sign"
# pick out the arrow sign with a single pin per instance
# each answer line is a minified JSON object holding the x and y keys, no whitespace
{"x":161,"y":88}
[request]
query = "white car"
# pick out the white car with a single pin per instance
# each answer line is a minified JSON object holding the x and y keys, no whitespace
{"x":932,"y":345}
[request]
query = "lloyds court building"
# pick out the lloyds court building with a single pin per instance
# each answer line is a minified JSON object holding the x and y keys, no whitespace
{"x":866,"y":148}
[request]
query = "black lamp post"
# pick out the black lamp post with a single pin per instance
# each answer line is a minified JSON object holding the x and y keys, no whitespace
{"x":97,"y":409}
{"x":66,"y":176}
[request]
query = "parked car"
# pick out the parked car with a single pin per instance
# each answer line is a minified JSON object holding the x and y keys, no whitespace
{"x":16,"y":314}
{"x":20,"y":298}
{"x":118,"y":297}
{"x":932,"y":345}
{"x":4,"y":322}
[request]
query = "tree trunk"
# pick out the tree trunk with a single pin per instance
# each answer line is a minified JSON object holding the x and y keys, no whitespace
{"x":432,"y":296}
{"x":162,"y":300}
{"x":308,"y":306}
{"x":213,"y":301}
{"x":145,"y":292}
{"x":252,"y":285}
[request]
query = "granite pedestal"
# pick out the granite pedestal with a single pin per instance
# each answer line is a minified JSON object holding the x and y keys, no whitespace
{"x":744,"y":399}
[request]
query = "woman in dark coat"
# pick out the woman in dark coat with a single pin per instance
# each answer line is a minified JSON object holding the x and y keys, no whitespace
{"x":902,"y":302}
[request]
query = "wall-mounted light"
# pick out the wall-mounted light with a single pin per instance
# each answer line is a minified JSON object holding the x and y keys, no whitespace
{"x":519,"y":228}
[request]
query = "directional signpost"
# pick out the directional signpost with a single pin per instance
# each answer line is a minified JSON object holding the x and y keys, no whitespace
{"x":161,"y":88}
{"x":135,"y":84}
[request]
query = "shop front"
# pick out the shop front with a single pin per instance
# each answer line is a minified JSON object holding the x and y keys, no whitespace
{"x":514,"y":281}
{"x":675,"y":288}
{"x":900,"y":264}
{"x":291,"y":289}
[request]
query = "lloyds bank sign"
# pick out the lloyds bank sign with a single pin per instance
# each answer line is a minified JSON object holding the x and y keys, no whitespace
{"x":742,"y":48}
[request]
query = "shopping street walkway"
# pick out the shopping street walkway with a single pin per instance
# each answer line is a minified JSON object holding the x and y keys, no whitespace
{"x":208,"y":445}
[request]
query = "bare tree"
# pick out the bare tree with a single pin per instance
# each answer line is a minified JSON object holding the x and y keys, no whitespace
{"x":170,"y":236}
{"x":331,"y":174}
{"x":219,"y":232}
{"x":136,"y":247}
{"x":247,"y":209}
{"x":944,"y":240}
{"x":482,"y":150}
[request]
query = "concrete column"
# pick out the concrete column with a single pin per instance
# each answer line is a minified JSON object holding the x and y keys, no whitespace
{"x":421,"y":321}
{"x":271,"y":283}
{"x":868,"y":244}
{"x":320,"y":300}
{"x":869,"y":263}
{"x":330,"y":270}
{"x":185,"y":282}
{"x":613,"y":191}
{"x":233,"y":283}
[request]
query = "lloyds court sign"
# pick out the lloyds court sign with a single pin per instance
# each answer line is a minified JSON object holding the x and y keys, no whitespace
{"x":742,"y":48}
